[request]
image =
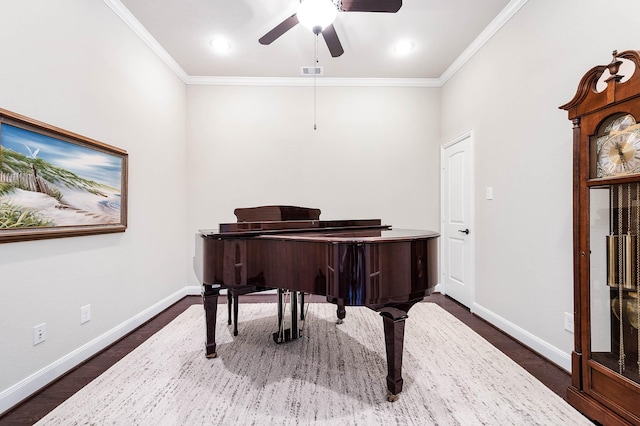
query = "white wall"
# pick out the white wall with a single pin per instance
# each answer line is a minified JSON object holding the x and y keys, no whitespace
{"x":509,"y":93}
{"x":75,"y":65}
{"x":375,"y":153}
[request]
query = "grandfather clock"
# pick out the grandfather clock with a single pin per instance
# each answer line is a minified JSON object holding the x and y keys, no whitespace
{"x":605,"y":383}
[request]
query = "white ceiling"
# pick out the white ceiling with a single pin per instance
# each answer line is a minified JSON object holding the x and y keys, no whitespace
{"x":443,"y":32}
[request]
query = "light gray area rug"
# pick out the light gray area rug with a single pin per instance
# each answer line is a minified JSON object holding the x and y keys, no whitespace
{"x":334,"y":374}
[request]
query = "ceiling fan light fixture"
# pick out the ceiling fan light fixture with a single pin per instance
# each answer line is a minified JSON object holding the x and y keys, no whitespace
{"x":403,"y":47}
{"x":317,"y":14}
{"x":220,"y":44}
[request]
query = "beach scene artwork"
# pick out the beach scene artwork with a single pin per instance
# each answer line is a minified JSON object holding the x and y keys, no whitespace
{"x":49,"y":182}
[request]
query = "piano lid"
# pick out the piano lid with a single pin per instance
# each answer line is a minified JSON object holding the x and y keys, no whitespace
{"x":291,"y":226}
{"x":355,"y":235}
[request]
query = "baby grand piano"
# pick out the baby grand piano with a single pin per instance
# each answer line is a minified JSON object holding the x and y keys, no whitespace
{"x":351,"y":262}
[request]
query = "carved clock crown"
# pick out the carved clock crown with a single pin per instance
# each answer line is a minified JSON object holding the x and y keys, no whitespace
{"x":587,"y":99}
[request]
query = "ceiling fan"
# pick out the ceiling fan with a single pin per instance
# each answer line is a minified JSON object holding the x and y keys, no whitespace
{"x":329,"y":32}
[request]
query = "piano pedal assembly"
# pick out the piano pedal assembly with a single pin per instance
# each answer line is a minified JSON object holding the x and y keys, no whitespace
{"x":294,"y":332}
{"x":284,"y":336}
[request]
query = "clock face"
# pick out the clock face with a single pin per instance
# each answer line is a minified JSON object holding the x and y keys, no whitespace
{"x":618,"y":150}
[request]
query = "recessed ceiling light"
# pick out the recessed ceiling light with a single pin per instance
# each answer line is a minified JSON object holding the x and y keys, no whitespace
{"x":220,"y":44}
{"x":403,"y":47}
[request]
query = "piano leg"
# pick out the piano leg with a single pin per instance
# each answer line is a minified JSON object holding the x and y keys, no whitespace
{"x":229,"y":302}
{"x":341,"y":312}
{"x":295,"y":331}
{"x":235,"y":314}
{"x":210,"y":301}
{"x":280,"y":310}
{"x":393,"y":320}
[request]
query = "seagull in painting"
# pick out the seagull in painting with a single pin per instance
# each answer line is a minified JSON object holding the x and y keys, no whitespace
{"x":32,"y":154}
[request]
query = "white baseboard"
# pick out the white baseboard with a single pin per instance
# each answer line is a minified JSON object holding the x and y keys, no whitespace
{"x":193,"y":290}
{"x":28,"y":386}
{"x":553,"y":354}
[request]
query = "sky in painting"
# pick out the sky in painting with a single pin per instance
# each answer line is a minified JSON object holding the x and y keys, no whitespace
{"x":85,"y":162}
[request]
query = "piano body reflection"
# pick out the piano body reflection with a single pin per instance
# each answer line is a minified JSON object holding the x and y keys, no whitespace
{"x":351,"y":262}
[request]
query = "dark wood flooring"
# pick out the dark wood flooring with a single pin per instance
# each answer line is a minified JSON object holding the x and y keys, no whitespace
{"x":38,"y":405}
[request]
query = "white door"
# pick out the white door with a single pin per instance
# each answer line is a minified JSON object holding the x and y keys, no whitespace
{"x":457,"y":233}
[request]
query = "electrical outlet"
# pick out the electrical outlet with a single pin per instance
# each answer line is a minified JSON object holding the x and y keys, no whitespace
{"x":85,"y":314}
{"x":568,"y":322}
{"x":39,"y":333}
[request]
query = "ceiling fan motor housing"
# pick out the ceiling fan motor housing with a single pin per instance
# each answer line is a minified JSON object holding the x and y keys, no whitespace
{"x":325,"y":27}
{"x":317,"y":14}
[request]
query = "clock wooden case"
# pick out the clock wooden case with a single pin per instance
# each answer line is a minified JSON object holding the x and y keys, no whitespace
{"x":605,"y":382}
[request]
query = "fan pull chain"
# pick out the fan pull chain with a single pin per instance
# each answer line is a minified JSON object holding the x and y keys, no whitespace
{"x":315,"y":85}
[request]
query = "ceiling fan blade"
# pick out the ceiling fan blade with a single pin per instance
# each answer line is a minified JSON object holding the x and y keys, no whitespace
{"x":279,"y":29}
{"x":389,"y":6}
{"x":332,"y":40}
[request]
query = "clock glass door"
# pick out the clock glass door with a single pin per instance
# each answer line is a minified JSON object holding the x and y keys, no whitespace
{"x":615,"y":277}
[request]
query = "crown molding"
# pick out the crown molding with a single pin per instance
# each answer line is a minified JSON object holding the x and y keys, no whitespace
{"x":127,"y":17}
{"x":311,"y":81}
{"x":493,"y":27}
{"x":502,"y":18}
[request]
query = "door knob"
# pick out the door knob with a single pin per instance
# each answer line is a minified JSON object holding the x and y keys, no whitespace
{"x":464,"y":231}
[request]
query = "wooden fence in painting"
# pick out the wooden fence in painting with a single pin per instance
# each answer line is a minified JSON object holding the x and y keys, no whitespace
{"x":28,"y":182}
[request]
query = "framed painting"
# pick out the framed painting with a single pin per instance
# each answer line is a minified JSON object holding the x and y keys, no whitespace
{"x":55,"y":183}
